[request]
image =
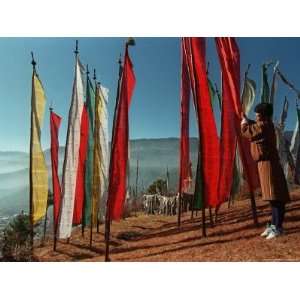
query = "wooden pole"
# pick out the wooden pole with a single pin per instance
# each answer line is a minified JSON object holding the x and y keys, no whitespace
{"x":83,"y":225}
{"x":107,"y":215}
{"x":192,"y":214}
{"x":137,"y":177}
{"x":91,"y":233}
{"x":92,"y":216}
{"x":107,"y":233}
{"x":30,"y":160}
{"x":203,"y":221}
{"x":211,"y":217}
{"x":45,"y":222}
{"x":54,"y":225}
{"x":179,"y":209}
{"x":253,"y":208}
{"x":76,"y":56}
{"x":136,"y":187}
{"x":98,"y":225}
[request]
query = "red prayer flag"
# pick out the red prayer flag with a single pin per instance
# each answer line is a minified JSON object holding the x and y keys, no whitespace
{"x":55,"y":121}
{"x":184,"y":171}
{"x":209,"y":142}
{"x":119,"y":151}
{"x":228,"y":140}
{"x":79,"y":191}
{"x":229,"y":57}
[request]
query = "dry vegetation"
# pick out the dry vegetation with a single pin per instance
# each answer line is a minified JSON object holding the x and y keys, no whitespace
{"x":157,"y":238}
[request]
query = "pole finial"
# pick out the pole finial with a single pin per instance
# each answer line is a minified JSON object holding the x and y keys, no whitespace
{"x":33,"y":62}
{"x":120,"y":65}
{"x":87,"y":70}
{"x":130,"y":42}
{"x":76,"y":48}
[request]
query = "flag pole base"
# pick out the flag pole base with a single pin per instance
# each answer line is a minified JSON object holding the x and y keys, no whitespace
{"x":203,"y":223}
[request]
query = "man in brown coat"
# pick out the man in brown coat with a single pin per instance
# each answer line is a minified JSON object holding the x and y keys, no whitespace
{"x":274,"y":188}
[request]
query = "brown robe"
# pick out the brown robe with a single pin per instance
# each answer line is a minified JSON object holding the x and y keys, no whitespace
{"x":264,"y":152}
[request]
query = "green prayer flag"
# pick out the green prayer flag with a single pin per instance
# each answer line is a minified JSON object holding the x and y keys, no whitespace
{"x":265,"y":90}
{"x":90,"y":102}
{"x":212,"y":91}
{"x":198,"y":195}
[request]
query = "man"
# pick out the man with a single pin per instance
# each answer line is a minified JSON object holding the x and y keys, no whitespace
{"x":263,"y":150}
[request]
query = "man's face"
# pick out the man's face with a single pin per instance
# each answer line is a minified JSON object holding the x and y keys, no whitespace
{"x":258,"y":117}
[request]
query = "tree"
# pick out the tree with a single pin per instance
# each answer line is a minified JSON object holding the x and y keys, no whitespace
{"x":15,"y":244}
{"x":158,"y":186}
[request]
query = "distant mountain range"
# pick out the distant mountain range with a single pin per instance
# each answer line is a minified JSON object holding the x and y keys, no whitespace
{"x":154,"y":155}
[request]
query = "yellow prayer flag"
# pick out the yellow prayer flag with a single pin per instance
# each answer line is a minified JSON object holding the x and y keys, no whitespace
{"x":96,"y":189}
{"x":39,"y":174}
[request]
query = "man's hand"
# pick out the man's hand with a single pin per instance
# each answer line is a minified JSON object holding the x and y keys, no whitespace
{"x":244,"y":118}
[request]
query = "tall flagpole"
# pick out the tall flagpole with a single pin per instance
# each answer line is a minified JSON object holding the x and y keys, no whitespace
{"x":83,"y":206}
{"x":68,"y":132}
{"x":191,"y":72}
{"x":55,"y":226}
{"x":92,"y":212}
{"x":137,"y":177}
{"x":107,"y":215}
{"x":98,"y":207}
{"x":136,"y":186}
{"x":108,"y":220}
{"x":30,"y":158}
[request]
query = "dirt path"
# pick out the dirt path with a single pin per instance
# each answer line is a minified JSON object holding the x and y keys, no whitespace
{"x":157,"y":238}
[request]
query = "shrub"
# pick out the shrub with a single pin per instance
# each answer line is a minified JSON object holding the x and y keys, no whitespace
{"x":15,"y":243}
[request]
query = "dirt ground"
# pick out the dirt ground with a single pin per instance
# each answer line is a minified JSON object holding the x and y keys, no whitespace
{"x":157,"y":238}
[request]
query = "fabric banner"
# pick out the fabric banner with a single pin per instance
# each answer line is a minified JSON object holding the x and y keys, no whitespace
{"x":38,"y":168}
{"x":248,"y":95}
{"x":295,"y":140}
{"x":212,"y":92}
{"x":274,"y":83}
{"x":297,"y":151}
{"x":238,"y":180}
{"x":228,"y":144}
{"x":265,"y":89}
{"x":199,"y":192}
{"x":71,"y":154}
{"x":90,"y":103}
{"x":288,"y":83}
{"x":184,"y":159}
{"x":209,"y":142}
{"x":80,"y":179}
{"x":283,"y":150}
{"x":55,"y":121}
{"x":96,"y":188}
{"x":104,"y":150}
{"x":119,"y":151}
{"x":229,"y":57}
{"x":284,"y":111}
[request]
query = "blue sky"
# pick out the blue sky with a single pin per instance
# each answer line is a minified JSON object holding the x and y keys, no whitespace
{"x":154,"y":110}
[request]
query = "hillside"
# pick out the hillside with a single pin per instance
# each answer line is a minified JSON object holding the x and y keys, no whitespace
{"x":157,"y":238}
{"x":154,"y":155}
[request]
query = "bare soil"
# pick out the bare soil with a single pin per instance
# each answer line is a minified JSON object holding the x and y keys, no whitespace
{"x":157,"y":238}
